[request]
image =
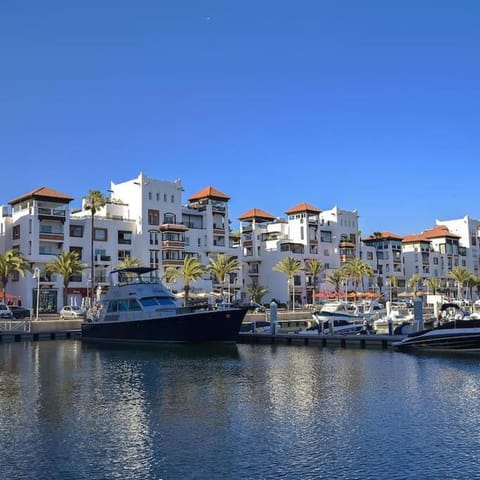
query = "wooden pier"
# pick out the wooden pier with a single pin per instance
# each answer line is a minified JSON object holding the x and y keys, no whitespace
{"x":377,"y":341}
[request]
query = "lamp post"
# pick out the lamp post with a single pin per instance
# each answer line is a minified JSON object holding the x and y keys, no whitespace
{"x":228,"y":288}
{"x":293,"y":294}
{"x":36,"y":275}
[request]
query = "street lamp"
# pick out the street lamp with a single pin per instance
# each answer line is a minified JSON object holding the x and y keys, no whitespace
{"x":36,"y":274}
{"x":228,"y":288}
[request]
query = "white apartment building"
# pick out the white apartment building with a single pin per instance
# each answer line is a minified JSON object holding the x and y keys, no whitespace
{"x":330,"y":236}
{"x":432,"y":253}
{"x":145,"y":218}
{"x":468,"y":231}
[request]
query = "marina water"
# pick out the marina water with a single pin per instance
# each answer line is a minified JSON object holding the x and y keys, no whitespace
{"x":70,"y":410}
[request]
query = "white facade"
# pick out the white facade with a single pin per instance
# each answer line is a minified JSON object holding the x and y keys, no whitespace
{"x":468,"y":230}
{"x":148,"y":219}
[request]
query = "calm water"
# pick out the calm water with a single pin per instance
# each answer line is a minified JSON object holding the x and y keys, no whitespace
{"x":75,"y":411}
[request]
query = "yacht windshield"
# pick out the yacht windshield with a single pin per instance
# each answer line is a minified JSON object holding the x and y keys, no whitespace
{"x":155,"y":301}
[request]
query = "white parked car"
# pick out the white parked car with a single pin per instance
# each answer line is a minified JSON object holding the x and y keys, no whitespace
{"x":5,"y":312}
{"x":72,"y":312}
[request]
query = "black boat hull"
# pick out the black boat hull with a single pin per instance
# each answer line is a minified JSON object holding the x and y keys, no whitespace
{"x":197,"y":327}
{"x":454,"y":336}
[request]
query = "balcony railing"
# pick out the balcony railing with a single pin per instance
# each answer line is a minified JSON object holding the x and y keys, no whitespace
{"x":103,"y":258}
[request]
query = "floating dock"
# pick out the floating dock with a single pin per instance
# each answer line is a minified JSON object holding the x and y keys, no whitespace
{"x":7,"y":336}
{"x":376,"y":341}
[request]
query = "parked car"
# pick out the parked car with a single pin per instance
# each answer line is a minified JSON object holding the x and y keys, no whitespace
{"x":72,"y":312}
{"x":19,"y":312}
{"x":5,"y":311}
{"x":252,"y":306}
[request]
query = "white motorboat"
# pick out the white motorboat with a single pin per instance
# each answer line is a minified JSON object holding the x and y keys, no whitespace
{"x":396,"y":318}
{"x":336,"y":326}
{"x":455,"y":336}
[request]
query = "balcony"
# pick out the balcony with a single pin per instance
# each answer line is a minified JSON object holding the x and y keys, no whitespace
{"x":51,"y":213}
{"x":172,"y":263}
{"x":49,"y":250}
{"x":102,"y":259}
{"x":52,"y":237}
{"x":173,"y":244}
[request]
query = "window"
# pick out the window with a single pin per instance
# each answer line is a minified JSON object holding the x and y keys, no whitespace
{"x":16,"y":232}
{"x":100,"y":234}
{"x":76,"y":231}
{"x":78,"y":251}
{"x":169,"y":218}
{"x":123,"y":254}
{"x":325,"y":236}
{"x":124,"y":237}
{"x":153,"y":258}
{"x":153,"y":217}
{"x":153,"y":237}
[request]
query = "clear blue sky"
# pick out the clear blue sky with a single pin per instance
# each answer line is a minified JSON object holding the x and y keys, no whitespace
{"x":368,"y":105}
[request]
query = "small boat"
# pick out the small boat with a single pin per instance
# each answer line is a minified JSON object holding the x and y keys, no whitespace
{"x":397,"y":319}
{"x":337,"y":310}
{"x":138,"y":308}
{"x":344,"y":317}
{"x":456,"y":336}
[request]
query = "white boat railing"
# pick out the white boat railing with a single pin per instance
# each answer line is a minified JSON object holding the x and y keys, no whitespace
{"x":16,"y":325}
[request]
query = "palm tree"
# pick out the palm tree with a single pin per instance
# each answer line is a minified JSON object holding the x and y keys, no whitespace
{"x":221,"y":266}
{"x":357,"y":269}
{"x":256,"y":292}
{"x":93,"y":202}
{"x":336,"y":278}
{"x":66,"y":264}
{"x":192,"y":269}
{"x":11,"y":262}
{"x":412,"y":283}
{"x":433,"y":283}
{"x":393,"y":285}
{"x":128,"y":262}
{"x":290,"y":267}
{"x":461,"y":275}
{"x":314,"y":267}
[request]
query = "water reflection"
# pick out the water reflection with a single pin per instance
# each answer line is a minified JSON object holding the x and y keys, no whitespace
{"x":73,"y":410}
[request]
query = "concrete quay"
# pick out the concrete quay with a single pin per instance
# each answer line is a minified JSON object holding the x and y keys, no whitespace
{"x":46,"y":328}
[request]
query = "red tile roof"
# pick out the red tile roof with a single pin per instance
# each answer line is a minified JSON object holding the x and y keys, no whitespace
{"x":44,"y":193}
{"x":209,"y":192}
{"x":439,"y":231}
{"x":257,"y":214}
{"x":303,"y":207}
{"x":384,"y":236}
